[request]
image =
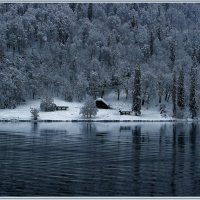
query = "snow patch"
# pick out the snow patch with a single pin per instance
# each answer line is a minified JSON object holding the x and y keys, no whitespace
{"x":22,"y":112}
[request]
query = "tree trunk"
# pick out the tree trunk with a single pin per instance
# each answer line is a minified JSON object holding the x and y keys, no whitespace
{"x":142,"y":102}
{"x":168,"y":97}
{"x":160,"y":99}
{"x":33,"y":95}
{"x":126,"y":94}
{"x":102,"y":94}
{"x":166,"y":94}
{"x":118,"y":94}
{"x":147,"y":103}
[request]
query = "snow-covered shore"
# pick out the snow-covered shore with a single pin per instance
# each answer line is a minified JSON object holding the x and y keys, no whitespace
{"x":22,"y":113}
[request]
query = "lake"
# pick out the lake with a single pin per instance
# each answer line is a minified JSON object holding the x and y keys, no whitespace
{"x":99,"y":159}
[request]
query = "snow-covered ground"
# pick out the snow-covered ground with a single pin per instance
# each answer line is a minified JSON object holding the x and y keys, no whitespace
{"x":22,"y":112}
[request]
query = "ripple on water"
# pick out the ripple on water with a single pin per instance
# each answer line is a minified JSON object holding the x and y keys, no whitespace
{"x":81,"y":160}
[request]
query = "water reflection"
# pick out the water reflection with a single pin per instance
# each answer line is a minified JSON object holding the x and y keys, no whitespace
{"x":125,"y":129}
{"x":99,"y":159}
{"x":34,"y":128}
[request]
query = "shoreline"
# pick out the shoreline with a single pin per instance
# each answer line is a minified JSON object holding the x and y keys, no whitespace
{"x":96,"y":120}
{"x":22,"y":114}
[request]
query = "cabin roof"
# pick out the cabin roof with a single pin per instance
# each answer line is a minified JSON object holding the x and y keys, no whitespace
{"x":100,"y":99}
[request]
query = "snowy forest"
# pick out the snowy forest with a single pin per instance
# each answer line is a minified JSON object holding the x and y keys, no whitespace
{"x":148,"y":52}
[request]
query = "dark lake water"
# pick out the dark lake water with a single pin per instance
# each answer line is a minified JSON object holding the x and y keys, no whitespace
{"x":99,"y":159}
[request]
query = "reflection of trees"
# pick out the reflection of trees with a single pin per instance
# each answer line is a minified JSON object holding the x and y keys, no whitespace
{"x":91,"y":131}
{"x":181,"y":135}
{"x":192,"y":137}
{"x":136,"y":136}
{"x":136,"y":139}
{"x":181,"y":140}
{"x":181,"y":154}
{"x":193,"y":153}
{"x":88,"y":128}
{"x":183,"y":158}
{"x":34,"y":127}
{"x":162,"y":138}
{"x":101,"y":158}
{"x":173,"y":187}
{"x":101,"y":136}
{"x":162,"y":133}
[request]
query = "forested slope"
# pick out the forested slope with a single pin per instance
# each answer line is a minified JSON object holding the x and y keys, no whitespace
{"x":70,"y":50}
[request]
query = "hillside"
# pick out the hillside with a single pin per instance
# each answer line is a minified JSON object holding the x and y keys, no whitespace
{"x":74,"y":50}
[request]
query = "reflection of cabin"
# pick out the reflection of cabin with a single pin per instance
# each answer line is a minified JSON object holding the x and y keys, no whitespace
{"x":102,"y":104}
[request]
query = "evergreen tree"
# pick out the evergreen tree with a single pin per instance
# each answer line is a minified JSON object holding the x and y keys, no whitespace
{"x":193,"y":86}
{"x":174,"y":94}
{"x":136,"y":107}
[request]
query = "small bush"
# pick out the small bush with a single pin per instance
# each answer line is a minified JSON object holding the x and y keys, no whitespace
{"x":89,"y":109}
{"x":34,"y":113}
{"x":47,"y":105}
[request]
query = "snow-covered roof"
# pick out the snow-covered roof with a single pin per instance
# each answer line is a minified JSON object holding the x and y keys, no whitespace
{"x":100,"y":99}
